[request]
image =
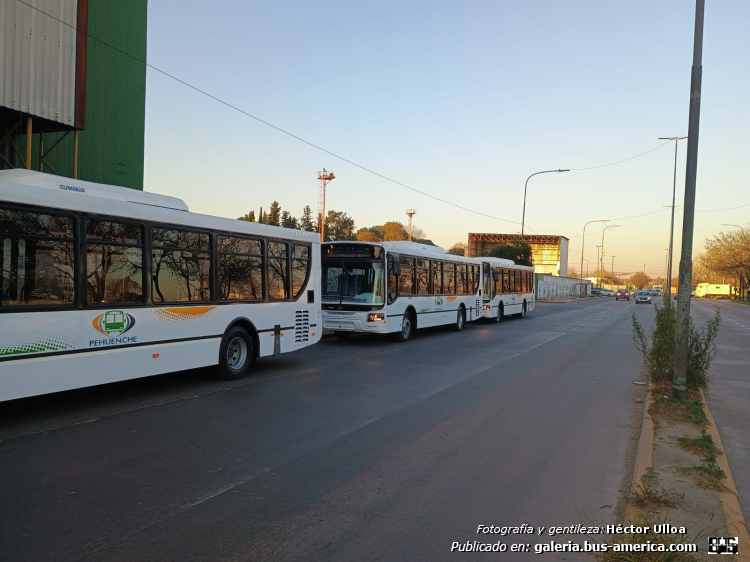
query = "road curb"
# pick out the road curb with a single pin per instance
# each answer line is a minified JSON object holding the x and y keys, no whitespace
{"x":644,"y":456}
{"x":729,"y":497}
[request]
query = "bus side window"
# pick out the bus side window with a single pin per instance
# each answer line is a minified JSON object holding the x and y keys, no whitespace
{"x":406,"y":279}
{"x":37,"y":258}
{"x":449,"y":278}
{"x":392,"y":282}
{"x":114,"y":262}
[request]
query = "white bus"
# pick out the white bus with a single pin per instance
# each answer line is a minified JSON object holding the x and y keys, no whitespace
{"x":397,"y":287}
{"x":507,"y":289}
{"x":103,"y":283}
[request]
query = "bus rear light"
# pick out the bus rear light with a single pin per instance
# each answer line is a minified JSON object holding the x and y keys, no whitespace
{"x":485,"y":307}
{"x":377,"y":317}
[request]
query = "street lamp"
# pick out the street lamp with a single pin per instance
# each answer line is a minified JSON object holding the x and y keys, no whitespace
{"x":671,"y":224}
{"x":583,"y":241}
{"x":613,"y":270}
{"x":601,"y":269}
{"x":737,"y":225}
{"x":523,"y":218}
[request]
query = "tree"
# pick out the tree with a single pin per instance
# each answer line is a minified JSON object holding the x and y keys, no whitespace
{"x":574,"y":273}
{"x":368,"y":235}
{"x":519,"y":252}
{"x":393,"y":231}
{"x":247,"y":217}
{"x":306,"y":222}
{"x":274,"y":214}
{"x":640,"y":280}
{"x":339,"y":226}
{"x":288,"y":221}
{"x":728,"y":255}
{"x":458,"y":249}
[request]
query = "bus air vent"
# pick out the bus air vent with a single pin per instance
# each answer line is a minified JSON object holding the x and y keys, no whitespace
{"x":302,"y":326}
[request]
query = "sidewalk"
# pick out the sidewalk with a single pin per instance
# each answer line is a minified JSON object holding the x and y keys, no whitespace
{"x":681,"y":476}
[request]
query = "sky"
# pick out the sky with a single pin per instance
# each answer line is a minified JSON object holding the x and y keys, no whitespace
{"x":460,"y":100}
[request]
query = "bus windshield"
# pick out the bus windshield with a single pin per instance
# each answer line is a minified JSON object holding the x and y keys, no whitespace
{"x":354,"y":282}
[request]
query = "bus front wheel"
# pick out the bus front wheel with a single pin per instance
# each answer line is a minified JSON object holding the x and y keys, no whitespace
{"x":500,"y":313}
{"x":235,"y":354}
{"x":407,"y":327}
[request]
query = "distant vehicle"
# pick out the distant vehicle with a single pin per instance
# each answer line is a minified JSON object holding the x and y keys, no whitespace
{"x":596,"y":291}
{"x":712,"y":291}
{"x":656,"y":292}
{"x":609,"y":292}
{"x":622,"y":294}
{"x":642,"y":296}
{"x":659,"y":288}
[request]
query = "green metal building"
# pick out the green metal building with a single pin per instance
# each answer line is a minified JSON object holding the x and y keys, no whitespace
{"x":111,"y":133}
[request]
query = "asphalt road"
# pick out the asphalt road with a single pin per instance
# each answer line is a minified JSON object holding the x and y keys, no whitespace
{"x":363,"y":449}
{"x":728,"y":393}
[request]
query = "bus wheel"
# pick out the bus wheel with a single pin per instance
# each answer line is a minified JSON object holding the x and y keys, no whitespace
{"x":460,"y":319}
{"x":523,"y":311}
{"x":343,"y":335}
{"x":500,"y":314}
{"x":235,"y":354}
{"x":407,"y":327}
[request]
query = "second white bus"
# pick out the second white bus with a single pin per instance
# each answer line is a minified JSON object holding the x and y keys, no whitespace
{"x":507,"y":289}
{"x":396,"y":288}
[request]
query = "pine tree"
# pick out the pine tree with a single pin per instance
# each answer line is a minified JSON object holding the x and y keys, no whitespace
{"x":306,"y":222}
{"x":248,"y":217}
{"x":274,"y":214}
{"x":288,"y":221}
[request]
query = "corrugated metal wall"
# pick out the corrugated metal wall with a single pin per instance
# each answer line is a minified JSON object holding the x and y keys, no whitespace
{"x":38,"y":58}
{"x":111,"y":148}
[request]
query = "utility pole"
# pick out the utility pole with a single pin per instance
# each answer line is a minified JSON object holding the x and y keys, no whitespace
{"x":671,"y":224}
{"x":682,"y":329}
{"x":598,"y":260}
{"x":613,"y":270}
{"x":601,"y":270}
{"x":583,"y":243}
{"x":323,"y":178}
{"x":411,"y":213}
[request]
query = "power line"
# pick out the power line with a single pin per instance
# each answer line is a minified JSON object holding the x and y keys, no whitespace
{"x":727,"y":209}
{"x":619,"y":161}
{"x":234,"y":107}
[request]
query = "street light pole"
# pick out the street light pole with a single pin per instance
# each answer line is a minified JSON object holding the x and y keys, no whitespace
{"x":682,"y":327}
{"x":613,"y":270}
{"x":523,"y":218}
{"x":598,"y":261}
{"x":583,"y":241}
{"x":671,"y":224}
{"x":601,"y":270}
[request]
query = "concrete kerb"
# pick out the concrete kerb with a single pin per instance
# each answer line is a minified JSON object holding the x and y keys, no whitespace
{"x":729,"y":497}
{"x":644,"y":456}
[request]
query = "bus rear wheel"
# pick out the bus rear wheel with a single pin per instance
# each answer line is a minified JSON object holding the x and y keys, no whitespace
{"x":460,"y":319}
{"x":522,"y":314}
{"x":235,"y":354}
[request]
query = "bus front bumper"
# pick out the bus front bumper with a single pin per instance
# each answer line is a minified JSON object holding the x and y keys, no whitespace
{"x":343,"y":321}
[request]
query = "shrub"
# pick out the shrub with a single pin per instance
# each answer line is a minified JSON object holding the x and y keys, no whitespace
{"x":658,"y":354}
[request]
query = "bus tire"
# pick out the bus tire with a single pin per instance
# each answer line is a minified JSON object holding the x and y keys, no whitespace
{"x":343,"y":335}
{"x":236,"y":354}
{"x":460,"y":319}
{"x":522,"y":314}
{"x":500,"y":314}
{"x":408,"y":325}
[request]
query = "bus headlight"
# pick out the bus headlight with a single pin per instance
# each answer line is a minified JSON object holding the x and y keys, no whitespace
{"x":485,"y":307}
{"x":377,"y":317}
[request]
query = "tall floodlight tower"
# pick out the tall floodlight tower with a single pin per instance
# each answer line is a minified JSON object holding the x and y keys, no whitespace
{"x":323,"y":178}
{"x":411,"y":213}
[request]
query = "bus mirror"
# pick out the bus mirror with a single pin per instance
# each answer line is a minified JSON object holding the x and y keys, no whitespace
{"x":397,"y":268}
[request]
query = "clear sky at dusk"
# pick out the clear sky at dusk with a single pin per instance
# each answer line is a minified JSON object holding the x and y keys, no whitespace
{"x":460,"y":100}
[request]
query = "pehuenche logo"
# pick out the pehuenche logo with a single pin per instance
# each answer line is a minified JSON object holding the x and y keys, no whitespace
{"x":439,"y":301}
{"x":113,"y":323}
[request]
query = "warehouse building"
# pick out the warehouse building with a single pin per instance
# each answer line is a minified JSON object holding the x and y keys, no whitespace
{"x":73,"y":88}
{"x":549,"y":253}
